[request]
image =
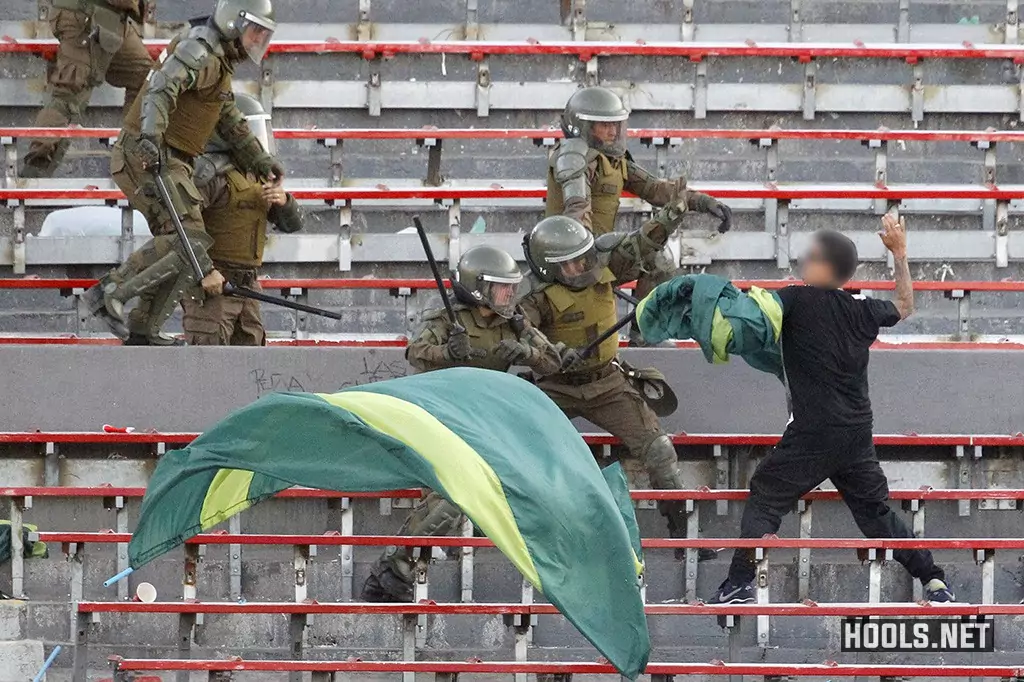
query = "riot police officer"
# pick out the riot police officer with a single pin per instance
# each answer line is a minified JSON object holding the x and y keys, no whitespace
{"x":99,"y":40}
{"x":185,"y":100}
{"x":236,"y":210}
{"x":569,"y":297}
{"x":590,"y":168}
{"x":491,"y":334}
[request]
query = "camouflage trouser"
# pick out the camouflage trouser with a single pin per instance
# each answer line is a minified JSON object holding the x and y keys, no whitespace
{"x":139,"y":187}
{"x":224,"y":320}
{"x":393,"y":574}
{"x":608,"y":400}
{"x":104,"y":46}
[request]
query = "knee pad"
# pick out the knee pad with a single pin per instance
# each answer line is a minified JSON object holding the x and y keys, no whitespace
{"x":661,"y":459}
{"x":434,"y":516}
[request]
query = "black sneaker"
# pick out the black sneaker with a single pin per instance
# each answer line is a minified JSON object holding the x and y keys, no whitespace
{"x":733,"y":593}
{"x":936,"y":591}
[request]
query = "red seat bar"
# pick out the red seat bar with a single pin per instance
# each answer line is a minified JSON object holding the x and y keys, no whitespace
{"x":773,"y":191}
{"x":432,"y":608}
{"x":416,"y":284}
{"x":178,"y":438}
{"x":828,"y":669}
{"x":110,"y":537}
{"x":585,"y":50}
{"x":884,"y":134}
{"x":413,"y":493}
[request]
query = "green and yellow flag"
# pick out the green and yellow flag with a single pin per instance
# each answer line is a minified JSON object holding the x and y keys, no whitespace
{"x":491,"y":443}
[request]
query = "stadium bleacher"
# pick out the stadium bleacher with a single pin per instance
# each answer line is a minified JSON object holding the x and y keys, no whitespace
{"x":793,"y":112}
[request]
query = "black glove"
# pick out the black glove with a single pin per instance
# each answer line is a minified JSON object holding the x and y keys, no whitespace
{"x":703,"y":203}
{"x":459,"y":348}
{"x":267,"y":168}
{"x":149,"y":153}
{"x":513,"y":352}
{"x":571,"y":359}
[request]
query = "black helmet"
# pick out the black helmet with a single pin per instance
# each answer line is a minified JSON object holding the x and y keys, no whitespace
{"x":250,"y":23}
{"x":597,"y":105}
{"x":487,"y":276}
{"x":561,"y":249}
{"x":259,"y":124}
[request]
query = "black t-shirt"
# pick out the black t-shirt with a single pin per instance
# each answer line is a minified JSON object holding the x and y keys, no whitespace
{"x":826,"y":334}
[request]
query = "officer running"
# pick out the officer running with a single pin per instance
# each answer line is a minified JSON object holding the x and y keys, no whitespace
{"x":99,"y":40}
{"x":589,"y":169}
{"x":492,"y":334}
{"x":569,"y":297}
{"x":184,"y":102}
{"x":236,"y":210}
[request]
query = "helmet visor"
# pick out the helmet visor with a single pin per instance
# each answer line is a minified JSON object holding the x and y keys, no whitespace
{"x":500,"y":293}
{"x":606,"y":134}
{"x":579,"y":272}
{"x":255,"y":35}
{"x":260,"y":126}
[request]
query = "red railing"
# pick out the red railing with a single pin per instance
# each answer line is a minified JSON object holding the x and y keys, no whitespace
{"x":883,"y":134}
{"x":781,"y":191}
{"x":703,"y":494}
{"x":180,"y":438}
{"x":418,"y":284}
{"x":827,"y":669}
{"x":808,"y":608}
{"x":336,"y":539}
{"x":586,"y":50}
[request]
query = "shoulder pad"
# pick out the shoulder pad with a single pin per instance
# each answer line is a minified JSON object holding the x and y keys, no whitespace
{"x":608,"y":242}
{"x":208,"y":35}
{"x":192,"y":53}
{"x":569,"y":160}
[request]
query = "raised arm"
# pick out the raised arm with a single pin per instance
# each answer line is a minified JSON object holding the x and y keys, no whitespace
{"x":894,"y":236}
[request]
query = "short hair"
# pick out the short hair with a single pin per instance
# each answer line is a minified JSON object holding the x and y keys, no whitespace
{"x":839,"y":252}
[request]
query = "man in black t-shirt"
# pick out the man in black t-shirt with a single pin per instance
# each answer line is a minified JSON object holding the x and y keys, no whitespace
{"x":826,"y":334}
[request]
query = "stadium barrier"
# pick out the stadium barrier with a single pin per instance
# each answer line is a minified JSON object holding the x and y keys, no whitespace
{"x":406,"y":289}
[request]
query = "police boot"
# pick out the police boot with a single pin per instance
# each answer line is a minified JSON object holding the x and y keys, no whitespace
{"x":391,"y":578}
{"x":106,"y":309}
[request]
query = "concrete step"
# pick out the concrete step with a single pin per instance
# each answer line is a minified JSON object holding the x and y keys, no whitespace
{"x":20,"y":660}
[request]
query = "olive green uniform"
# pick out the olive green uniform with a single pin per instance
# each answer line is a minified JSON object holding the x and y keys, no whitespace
{"x":427,"y":351}
{"x":236,"y":216}
{"x":596,"y":387}
{"x":587,"y":185}
{"x":434,"y":515}
{"x":185,"y":101}
{"x":100,"y":41}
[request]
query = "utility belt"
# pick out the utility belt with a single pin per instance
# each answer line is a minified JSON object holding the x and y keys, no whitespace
{"x":238,"y":275}
{"x":584,"y":378}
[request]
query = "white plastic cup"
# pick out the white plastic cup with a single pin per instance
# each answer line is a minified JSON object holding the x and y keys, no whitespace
{"x":145,"y":592}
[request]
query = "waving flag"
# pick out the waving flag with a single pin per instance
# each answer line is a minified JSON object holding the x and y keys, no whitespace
{"x":722,"y":319}
{"x":491,"y":443}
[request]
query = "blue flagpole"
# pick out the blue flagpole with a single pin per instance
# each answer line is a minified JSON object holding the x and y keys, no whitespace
{"x":119,"y":577}
{"x":49,"y":661}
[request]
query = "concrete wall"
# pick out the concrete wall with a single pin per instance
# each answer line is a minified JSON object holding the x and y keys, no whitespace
{"x":183,"y":389}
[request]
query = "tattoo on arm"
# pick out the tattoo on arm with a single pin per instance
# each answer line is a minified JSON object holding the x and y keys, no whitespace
{"x":904,"y":287}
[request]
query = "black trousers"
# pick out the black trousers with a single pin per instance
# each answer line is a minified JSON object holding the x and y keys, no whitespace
{"x":798,"y":465}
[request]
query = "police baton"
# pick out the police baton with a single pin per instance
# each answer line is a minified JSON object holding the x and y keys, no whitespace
{"x":165,"y":197}
{"x":228,"y":289}
{"x":437,"y":272}
{"x":587,"y":350}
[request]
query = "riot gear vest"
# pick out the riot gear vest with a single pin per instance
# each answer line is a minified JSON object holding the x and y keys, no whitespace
{"x":605,"y":191}
{"x":579,"y":317}
{"x":239,"y":227}
{"x":194,"y":118}
{"x":480,"y":336}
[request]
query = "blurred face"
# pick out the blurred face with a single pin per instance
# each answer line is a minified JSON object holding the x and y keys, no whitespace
{"x":574,"y":268}
{"x":815,"y":270}
{"x":255,"y":41}
{"x":606,"y":132}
